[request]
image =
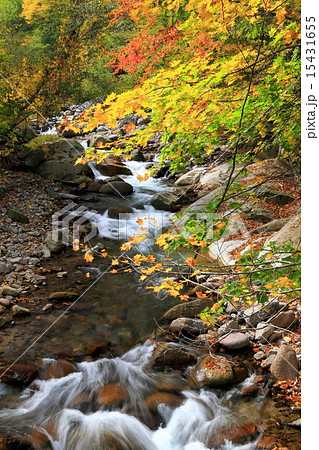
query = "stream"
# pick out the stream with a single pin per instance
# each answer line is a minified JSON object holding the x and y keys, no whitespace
{"x":118,"y":401}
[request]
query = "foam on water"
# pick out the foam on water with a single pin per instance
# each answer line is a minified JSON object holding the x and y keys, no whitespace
{"x":187,"y":427}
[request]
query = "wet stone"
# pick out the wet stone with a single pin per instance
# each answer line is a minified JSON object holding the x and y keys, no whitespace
{"x":212,"y":371}
{"x":235,"y":341}
{"x":19,"y":374}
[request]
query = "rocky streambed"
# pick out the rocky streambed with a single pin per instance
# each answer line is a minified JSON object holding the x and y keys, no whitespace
{"x":187,"y":384}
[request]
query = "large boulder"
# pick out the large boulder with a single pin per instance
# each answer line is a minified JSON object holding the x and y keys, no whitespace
{"x":18,"y":374}
{"x":289,"y":234}
{"x":285,"y":364}
{"x":116,"y":188}
{"x":190,"y":177}
{"x":169,"y":355}
{"x":187,"y":325}
{"x":166,"y":201}
{"x":212,"y":371}
{"x":235,"y":341}
{"x":59,"y":162}
{"x":17,"y":216}
{"x":109,"y":169}
{"x":188,"y":309}
{"x":26,"y":132}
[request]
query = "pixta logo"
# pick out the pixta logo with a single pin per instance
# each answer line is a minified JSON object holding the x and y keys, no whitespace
{"x":72,"y":222}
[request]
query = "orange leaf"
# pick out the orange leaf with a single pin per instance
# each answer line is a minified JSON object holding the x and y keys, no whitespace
{"x":88,"y":257}
{"x":130,"y":127}
{"x":200,"y":295}
{"x":191,"y":261}
{"x":80,"y":161}
{"x":115,"y":262}
{"x":113,"y":271}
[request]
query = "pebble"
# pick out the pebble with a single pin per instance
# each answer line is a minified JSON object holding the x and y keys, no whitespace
{"x":259,"y":355}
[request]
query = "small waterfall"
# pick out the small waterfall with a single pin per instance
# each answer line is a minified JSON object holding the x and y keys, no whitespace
{"x":77,"y":412}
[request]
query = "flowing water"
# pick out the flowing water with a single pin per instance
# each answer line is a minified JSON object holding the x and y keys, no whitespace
{"x":118,"y":401}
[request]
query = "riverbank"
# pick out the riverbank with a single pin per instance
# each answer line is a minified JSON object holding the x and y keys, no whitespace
{"x":32,"y":280}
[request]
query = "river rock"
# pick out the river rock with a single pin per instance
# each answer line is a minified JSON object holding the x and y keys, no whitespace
{"x":253,"y":211}
{"x":169,"y":355}
{"x":290,"y":234}
{"x":228,"y":327}
{"x":166,"y":201}
{"x":159,"y":398}
{"x":284,"y":319}
{"x":188,"y":325}
{"x":63,"y":296}
{"x":20,"y":311}
{"x":115,"y":211}
{"x":11,"y":291}
{"x":190,"y":177}
{"x":274,"y":225}
{"x":4,"y":268}
{"x":188,"y":309}
{"x":285,"y":364}
{"x":212,"y":371}
{"x":116,"y":188}
{"x":239,"y":434}
{"x":65,"y":171}
{"x":54,"y":241}
{"x":59,"y":162}
{"x":4,"y":302}
{"x":259,"y":313}
{"x":263,"y":332}
{"x":94,"y":186}
{"x":26,"y":132}
{"x":216,"y":176}
{"x":3,"y":322}
{"x":111,"y":169}
{"x":17,"y":216}
{"x":19,"y":374}
{"x":137,"y":155}
{"x":57,"y":369}
{"x":273,"y":195}
{"x":235,"y":341}
{"x":111,"y":394}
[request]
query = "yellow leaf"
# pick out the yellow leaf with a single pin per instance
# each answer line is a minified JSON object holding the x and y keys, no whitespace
{"x":115,"y":262}
{"x":80,"y":161}
{"x":88,"y":257}
{"x":126,"y":246}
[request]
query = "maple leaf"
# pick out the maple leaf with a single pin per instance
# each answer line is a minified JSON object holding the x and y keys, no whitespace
{"x":113,"y":271}
{"x":130,"y":127}
{"x":104,"y":254}
{"x":140,"y":221}
{"x":201,"y":295}
{"x":88,"y":256}
{"x":80,"y":161}
{"x":115,"y":262}
{"x":142,"y":178}
{"x":184,"y":297}
{"x":126,"y":246}
{"x":191,"y":261}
